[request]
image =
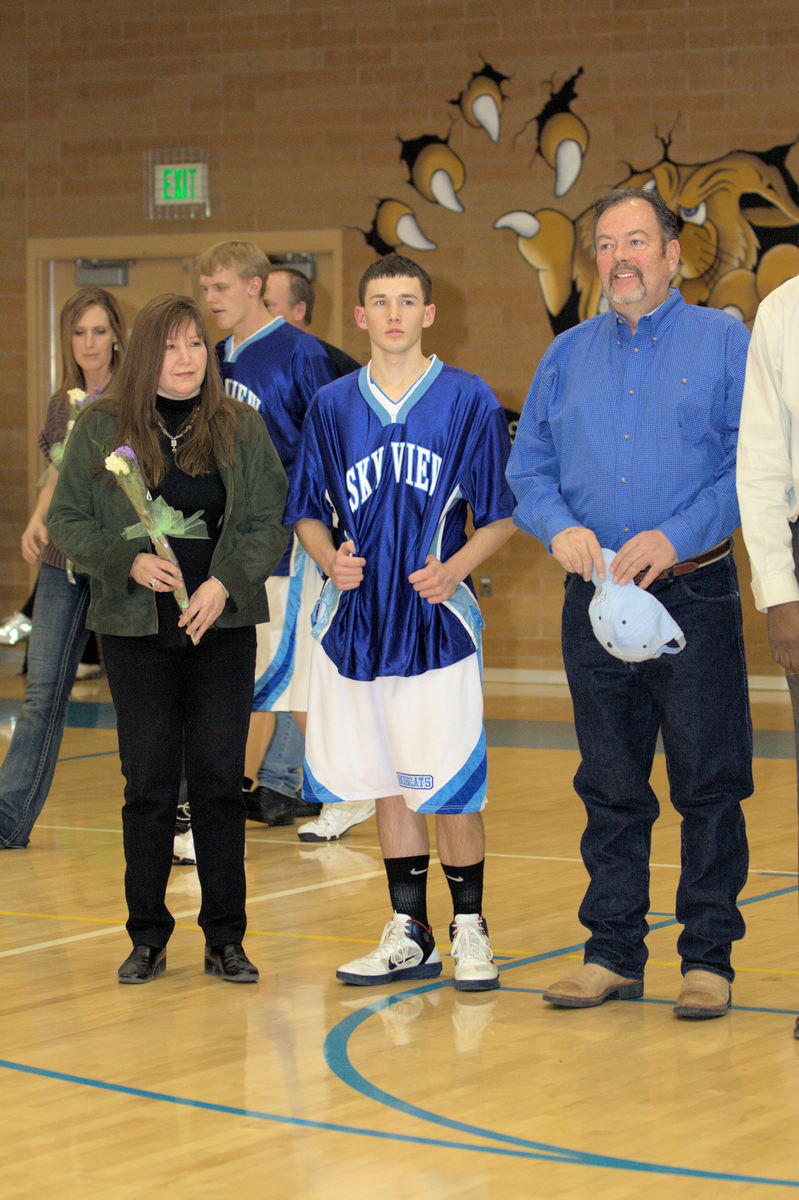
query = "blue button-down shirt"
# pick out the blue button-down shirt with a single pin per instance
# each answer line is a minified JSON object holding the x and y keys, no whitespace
{"x":622,"y":433}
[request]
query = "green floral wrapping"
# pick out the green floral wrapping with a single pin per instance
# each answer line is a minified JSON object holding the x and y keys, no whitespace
{"x":155,"y":516}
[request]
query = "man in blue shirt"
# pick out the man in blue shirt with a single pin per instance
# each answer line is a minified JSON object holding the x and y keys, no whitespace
{"x":627,"y":441}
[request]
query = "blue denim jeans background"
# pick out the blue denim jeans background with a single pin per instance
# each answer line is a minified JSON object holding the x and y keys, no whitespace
{"x":698,"y":700}
{"x":57,"y":641}
{"x":281,"y":766}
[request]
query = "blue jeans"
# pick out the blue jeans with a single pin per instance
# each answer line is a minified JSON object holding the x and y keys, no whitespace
{"x":281,"y":767}
{"x":698,"y":700}
{"x":55,"y":647}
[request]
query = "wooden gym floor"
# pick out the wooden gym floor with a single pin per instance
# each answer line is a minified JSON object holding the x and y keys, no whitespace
{"x":304,"y":1088}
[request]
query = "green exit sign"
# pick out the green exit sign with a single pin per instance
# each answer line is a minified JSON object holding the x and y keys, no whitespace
{"x":180,"y":183}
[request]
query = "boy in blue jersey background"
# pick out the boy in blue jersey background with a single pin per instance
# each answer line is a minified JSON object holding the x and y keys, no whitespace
{"x":276,"y":369}
{"x":391,"y":460}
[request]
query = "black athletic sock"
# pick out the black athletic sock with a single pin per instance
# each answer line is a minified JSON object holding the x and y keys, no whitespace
{"x":407,"y":885}
{"x":466,"y":887}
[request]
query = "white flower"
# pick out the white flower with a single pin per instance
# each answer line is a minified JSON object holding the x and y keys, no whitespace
{"x":117,"y":465}
{"x":76,"y":396}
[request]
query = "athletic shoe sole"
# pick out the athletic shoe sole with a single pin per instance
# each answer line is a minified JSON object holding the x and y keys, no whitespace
{"x":426,"y":970}
{"x":476,"y":985}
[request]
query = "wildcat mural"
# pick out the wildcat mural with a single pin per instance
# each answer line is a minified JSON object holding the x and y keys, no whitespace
{"x":739,"y":213}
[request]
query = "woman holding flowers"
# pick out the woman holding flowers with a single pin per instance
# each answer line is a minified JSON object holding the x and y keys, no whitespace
{"x":92,"y":342}
{"x":176,"y":610}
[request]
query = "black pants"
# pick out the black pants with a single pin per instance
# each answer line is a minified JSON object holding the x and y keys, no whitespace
{"x":174,"y":702}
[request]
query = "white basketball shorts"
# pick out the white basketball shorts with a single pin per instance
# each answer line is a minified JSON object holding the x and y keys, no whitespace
{"x":420,"y":737}
{"x":283,"y":655}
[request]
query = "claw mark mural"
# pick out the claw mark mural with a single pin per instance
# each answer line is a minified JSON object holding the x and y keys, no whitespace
{"x":434,"y":170}
{"x":481,"y":100}
{"x":393,"y":225}
{"x":734,"y":213}
{"x":562,"y":136}
{"x":739,"y":213}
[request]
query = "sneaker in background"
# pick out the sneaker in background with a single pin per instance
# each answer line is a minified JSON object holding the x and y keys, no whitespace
{"x":335,"y":819}
{"x":183,"y":845}
{"x":88,"y":671}
{"x":15,"y":629}
{"x":183,"y":849}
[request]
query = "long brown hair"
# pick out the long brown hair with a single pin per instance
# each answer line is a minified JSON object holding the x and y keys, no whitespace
{"x":135,"y":388}
{"x":86,"y":297}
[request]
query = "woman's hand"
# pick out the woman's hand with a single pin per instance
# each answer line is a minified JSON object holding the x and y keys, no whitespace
{"x":34,"y":539}
{"x":205,"y":605}
{"x":154,"y":573}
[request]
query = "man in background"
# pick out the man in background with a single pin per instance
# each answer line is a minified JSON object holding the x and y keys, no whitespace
{"x":768,"y":478}
{"x":290,"y":294}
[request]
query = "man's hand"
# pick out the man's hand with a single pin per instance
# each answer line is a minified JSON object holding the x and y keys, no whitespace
{"x":578,"y":550}
{"x":346,"y":569}
{"x":434,"y":581}
{"x":650,"y":550}
{"x":783,"y":635}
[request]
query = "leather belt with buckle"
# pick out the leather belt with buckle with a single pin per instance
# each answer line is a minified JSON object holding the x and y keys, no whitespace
{"x":689,"y":565}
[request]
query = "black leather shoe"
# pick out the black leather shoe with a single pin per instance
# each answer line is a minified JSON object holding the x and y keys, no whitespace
{"x":270,"y":807}
{"x":231,"y":963}
{"x":305,"y":808}
{"x":143,"y":964}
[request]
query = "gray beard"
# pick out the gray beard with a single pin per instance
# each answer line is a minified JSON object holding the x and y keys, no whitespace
{"x":629,"y":297}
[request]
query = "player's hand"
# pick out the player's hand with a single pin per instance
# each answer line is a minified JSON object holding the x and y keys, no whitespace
{"x":205,"y":605}
{"x":434,"y":581}
{"x":649,"y":551}
{"x":34,"y":538}
{"x":783,"y":635}
{"x":346,"y":569}
{"x":577,"y":549}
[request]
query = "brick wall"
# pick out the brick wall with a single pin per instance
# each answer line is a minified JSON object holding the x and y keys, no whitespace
{"x":300,"y":105}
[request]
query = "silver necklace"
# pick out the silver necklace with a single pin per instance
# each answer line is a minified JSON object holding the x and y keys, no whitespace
{"x":178,"y":437}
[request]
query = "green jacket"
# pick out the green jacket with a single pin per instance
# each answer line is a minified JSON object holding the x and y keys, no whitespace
{"x":89,"y":511}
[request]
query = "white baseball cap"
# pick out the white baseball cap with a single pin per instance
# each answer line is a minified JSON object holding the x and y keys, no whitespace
{"x":630,"y":623}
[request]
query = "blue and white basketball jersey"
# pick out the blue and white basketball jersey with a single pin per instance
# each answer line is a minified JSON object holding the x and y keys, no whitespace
{"x":400,"y":479}
{"x":277,"y":370}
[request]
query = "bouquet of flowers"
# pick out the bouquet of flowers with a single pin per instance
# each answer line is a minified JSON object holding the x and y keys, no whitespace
{"x":78,"y":399}
{"x":156,"y":517}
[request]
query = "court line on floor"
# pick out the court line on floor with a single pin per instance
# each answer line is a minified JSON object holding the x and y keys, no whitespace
{"x":362,"y":847}
{"x":179,"y":916}
{"x":257,"y":1114}
{"x":515,"y":1147}
{"x":336,"y":1051}
{"x":319,"y":885}
{"x":337,"y":1057}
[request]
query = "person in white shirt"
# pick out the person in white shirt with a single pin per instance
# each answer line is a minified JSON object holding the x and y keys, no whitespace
{"x":768,"y":478}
